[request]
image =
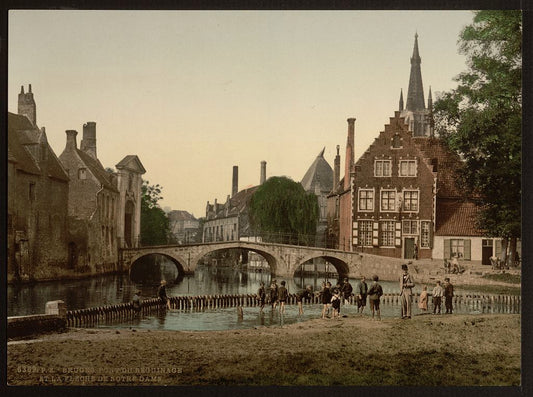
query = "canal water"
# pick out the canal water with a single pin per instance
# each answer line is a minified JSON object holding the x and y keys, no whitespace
{"x":207,"y":280}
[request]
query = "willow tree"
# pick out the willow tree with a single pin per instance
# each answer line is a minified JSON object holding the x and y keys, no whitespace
{"x":481,"y":120}
{"x":281,"y":207}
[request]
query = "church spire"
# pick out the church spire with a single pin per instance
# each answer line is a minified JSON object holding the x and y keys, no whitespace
{"x":415,"y":94}
{"x":430,"y":100}
{"x":401,"y":100}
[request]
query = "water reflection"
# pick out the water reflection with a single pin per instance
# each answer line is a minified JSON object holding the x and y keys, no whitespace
{"x":207,"y":280}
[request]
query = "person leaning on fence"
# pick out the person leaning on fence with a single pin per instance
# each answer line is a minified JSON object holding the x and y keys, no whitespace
{"x":307,"y":294}
{"x":406,"y":291}
{"x":136,"y":303}
{"x":162,"y":294}
{"x":374,"y":294}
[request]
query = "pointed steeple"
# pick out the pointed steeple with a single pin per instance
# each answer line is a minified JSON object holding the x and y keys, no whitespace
{"x":321,"y":154}
{"x":415,"y":94}
{"x":401,"y":100}
{"x":430,"y":100}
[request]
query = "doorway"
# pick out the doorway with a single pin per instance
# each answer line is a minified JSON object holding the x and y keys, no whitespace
{"x":409,"y":251}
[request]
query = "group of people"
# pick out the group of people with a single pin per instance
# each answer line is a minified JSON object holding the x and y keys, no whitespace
{"x":331,"y":298}
{"x":439,"y":291}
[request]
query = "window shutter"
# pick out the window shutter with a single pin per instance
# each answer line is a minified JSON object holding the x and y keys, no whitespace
{"x":467,"y":249}
{"x":447,"y":248}
{"x":498,"y":248}
{"x":431,"y":235}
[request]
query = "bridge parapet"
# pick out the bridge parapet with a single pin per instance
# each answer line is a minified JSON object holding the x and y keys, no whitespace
{"x":284,"y":260}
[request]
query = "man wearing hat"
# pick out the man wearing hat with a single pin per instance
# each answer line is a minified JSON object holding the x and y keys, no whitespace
{"x":406,"y":291}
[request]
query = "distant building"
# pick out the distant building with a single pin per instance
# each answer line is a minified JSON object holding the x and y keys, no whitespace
{"x":183,"y":226}
{"x":319,"y":180}
{"x":37,"y":198}
{"x":104,"y":207}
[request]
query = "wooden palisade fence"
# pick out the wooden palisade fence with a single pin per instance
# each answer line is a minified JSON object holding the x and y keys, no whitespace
{"x":124,"y":312}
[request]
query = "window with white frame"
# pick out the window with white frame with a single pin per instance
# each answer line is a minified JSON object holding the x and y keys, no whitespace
{"x":386,"y":235}
{"x":407,"y":168}
{"x":409,"y":226}
{"x":424,"y":234}
{"x":410,"y":200}
{"x":382,"y":167}
{"x":457,"y":248}
{"x":365,"y":233}
{"x":388,"y":200}
{"x":366,"y":200}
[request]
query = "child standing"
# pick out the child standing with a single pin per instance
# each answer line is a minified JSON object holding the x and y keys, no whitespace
{"x":261,"y":296}
{"x":374,"y":293}
{"x":282,"y":297}
{"x":438,"y":291}
{"x":326,"y":299}
{"x":336,"y":303}
{"x":423,"y":300}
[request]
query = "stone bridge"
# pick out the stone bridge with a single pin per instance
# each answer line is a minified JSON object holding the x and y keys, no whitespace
{"x":283,"y":259}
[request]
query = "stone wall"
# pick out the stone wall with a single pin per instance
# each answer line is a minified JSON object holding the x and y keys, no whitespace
{"x":24,"y":326}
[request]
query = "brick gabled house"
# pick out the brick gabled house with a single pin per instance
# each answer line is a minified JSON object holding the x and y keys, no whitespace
{"x":398,"y":185}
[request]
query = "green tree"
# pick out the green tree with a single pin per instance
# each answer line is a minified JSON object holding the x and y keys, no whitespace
{"x":281,"y":207}
{"x":481,"y":120}
{"x":155,"y":226}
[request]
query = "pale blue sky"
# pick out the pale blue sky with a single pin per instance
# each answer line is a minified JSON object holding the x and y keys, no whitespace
{"x":193,"y":93}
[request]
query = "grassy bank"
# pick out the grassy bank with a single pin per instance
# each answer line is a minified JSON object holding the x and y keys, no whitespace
{"x":504,"y":277}
{"x":433,"y":350}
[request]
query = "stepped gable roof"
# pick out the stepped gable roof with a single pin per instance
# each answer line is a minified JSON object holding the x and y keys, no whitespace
{"x":448,"y":163}
{"x":181,"y":215}
{"x":321,"y":173}
{"x":456,"y":218}
{"x":131,"y":162}
{"x":97,"y":170}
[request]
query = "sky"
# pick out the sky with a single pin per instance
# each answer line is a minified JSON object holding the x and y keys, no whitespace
{"x":193,"y":93}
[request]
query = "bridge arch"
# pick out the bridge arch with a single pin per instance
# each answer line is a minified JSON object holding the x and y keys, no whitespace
{"x":342,"y":267}
{"x":272,"y":259}
{"x":176,"y":259}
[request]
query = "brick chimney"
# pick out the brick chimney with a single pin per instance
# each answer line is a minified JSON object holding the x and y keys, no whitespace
{"x":26,"y":105}
{"x":88,"y":142}
{"x":349,"y":152}
{"x":337,"y":169}
{"x":263,"y":172}
{"x":235,"y":181}
{"x":71,"y":140}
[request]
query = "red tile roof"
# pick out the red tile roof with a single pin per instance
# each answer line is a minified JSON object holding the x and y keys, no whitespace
{"x":456,"y":218}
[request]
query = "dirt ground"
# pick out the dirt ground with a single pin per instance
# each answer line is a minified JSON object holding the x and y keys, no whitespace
{"x":428,"y":350}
